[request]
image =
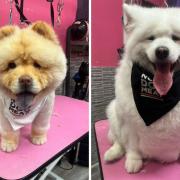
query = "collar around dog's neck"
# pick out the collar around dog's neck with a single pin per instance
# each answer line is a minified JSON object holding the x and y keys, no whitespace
{"x":150,"y":105}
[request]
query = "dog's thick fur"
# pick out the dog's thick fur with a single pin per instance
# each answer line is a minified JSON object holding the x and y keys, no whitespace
{"x":32,"y":52}
{"x":128,"y":133}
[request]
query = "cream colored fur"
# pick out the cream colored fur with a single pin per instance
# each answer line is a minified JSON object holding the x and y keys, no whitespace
{"x":37,"y":43}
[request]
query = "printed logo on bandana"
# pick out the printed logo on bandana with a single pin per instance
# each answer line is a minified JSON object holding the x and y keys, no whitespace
{"x":16,"y":111}
{"x":147,"y":88}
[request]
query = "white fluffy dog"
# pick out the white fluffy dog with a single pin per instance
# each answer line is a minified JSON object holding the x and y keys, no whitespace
{"x":150,"y":127}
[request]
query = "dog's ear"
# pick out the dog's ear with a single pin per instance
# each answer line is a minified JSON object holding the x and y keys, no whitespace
{"x":45,"y":30}
{"x":6,"y":31}
{"x":129,"y":20}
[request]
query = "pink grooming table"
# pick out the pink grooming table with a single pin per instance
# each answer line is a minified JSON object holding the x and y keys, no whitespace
{"x":69,"y":124}
{"x":116,"y":170}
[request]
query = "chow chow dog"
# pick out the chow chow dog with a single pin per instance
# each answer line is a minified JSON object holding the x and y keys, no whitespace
{"x":145,"y":113}
{"x":32,"y":66}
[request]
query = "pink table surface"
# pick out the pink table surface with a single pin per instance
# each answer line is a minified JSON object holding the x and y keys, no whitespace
{"x":69,"y":123}
{"x":116,"y":170}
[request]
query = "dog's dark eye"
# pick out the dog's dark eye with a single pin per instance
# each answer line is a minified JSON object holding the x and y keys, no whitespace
{"x":36,"y":65}
{"x":175,"y":38}
{"x":11,"y":65}
{"x":151,"y":38}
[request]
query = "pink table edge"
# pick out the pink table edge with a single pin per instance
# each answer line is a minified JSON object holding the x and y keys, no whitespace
{"x":98,"y":149}
{"x":38,"y":170}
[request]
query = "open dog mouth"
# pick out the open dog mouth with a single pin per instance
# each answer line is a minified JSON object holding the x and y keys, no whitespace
{"x":25,"y":99}
{"x":26,"y":93}
{"x":163,"y":77}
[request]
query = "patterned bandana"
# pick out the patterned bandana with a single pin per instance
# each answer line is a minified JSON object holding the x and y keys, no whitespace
{"x":17,"y":116}
{"x":150,"y":105}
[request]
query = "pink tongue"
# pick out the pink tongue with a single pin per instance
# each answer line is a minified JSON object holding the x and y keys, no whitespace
{"x":163,"y":78}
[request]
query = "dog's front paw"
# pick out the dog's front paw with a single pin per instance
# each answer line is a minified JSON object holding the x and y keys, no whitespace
{"x":39,"y":140}
{"x":8,"y":146}
{"x":133,"y":165}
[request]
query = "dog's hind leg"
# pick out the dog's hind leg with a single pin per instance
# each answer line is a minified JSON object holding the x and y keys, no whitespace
{"x":115,"y":152}
{"x":111,"y":137}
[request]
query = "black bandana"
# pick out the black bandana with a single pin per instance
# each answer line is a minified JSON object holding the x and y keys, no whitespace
{"x":150,"y":105}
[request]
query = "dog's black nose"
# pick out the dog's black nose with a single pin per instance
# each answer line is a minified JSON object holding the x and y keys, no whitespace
{"x":25,"y":80}
{"x":162,"y":52}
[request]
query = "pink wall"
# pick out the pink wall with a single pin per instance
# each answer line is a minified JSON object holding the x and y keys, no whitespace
{"x":106,"y":32}
{"x":39,"y":10}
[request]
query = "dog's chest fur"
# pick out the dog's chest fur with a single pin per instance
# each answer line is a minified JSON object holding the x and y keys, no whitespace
{"x":161,"y":136}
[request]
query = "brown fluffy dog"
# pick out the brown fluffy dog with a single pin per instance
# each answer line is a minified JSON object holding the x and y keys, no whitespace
{"x":32,"y":65}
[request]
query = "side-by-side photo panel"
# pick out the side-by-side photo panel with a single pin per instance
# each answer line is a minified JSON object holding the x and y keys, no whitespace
{"x":135,"y":94}
{"x":44,"y":89}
